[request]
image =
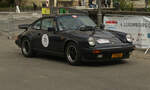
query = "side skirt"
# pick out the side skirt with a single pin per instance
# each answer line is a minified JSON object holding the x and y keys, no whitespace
{"x":50,"y":52}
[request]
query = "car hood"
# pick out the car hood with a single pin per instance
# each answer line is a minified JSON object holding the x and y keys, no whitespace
{"x":97,"y":34}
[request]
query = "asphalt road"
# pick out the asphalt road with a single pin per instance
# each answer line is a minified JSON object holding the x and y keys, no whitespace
{"x":53,"y":73}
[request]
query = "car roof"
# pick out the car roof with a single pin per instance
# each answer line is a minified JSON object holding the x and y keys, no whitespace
{"x":67,"y":14}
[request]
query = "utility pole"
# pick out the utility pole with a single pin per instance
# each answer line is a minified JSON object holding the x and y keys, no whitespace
{"x":99,"y":14}
{"x":51,"y":5}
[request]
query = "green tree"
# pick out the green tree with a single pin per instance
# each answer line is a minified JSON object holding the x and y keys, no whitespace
{"x":11,"y":3}
{"x":124,"y":4}
{"x":4,"y":3}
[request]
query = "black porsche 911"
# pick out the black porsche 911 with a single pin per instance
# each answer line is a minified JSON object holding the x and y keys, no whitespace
{"x":75,"y":37}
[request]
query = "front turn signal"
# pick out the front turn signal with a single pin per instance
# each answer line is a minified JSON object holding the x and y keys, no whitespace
{"x":96,"y":51}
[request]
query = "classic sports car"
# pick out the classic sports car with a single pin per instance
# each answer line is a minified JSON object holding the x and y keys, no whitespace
{"x":74,"y":36}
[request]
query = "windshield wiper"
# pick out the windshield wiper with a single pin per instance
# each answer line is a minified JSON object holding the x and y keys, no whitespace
{"x":87,"y":28}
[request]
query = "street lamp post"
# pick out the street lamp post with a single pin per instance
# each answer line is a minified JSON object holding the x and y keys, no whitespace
{"x":99,"y":14}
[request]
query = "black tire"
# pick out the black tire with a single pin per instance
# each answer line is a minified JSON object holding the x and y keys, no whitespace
{"x":72,"y":54}
{"x":26,"y":48}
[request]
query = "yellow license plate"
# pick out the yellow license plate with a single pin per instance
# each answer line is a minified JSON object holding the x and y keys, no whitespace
{"x":117,"y":55}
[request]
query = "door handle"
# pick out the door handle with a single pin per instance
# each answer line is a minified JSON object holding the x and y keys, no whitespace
{"x":39,"y":34}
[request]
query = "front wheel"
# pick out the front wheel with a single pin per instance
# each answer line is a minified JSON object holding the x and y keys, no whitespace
{"x":73,"y":54}
{"x":26,"y":48}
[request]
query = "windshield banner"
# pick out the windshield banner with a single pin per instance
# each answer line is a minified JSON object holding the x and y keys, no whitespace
{"x":137,"y":26}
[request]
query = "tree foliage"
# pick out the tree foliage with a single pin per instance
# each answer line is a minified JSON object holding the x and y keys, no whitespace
{"x":125,"y":4}
{"x":10,"y":3}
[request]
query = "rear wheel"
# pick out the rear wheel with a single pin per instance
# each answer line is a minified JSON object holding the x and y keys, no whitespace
{"x":73,"y":54}
{"x":26,"y":48}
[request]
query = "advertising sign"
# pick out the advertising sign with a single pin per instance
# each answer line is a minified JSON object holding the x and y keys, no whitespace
{"x":137,"y":26}
{"x":63,"y":11}
{"x":45,"y":11}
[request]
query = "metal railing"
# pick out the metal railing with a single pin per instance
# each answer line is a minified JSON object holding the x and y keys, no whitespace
{"x":9,"y":22}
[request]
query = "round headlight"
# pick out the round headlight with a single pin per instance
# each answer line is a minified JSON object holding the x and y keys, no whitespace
{"x":129,"y":38}
{"x":91,"y":41}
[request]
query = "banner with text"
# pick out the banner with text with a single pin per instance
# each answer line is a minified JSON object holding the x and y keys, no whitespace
{"x":137,"y":26}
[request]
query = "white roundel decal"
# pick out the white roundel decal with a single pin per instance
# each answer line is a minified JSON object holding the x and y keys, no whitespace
{"x":45,"y":40}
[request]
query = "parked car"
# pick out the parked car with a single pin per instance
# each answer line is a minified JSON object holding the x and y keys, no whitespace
{"x":75,"y":37}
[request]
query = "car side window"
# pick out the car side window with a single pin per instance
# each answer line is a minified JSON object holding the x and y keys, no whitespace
{"x":37,"y":25}
{"x":47,"y":23}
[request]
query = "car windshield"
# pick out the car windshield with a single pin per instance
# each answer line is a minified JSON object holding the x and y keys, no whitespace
{"x":74,"y":22}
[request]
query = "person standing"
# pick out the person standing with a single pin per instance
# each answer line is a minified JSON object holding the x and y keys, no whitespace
{"x":47,"y":3}
{"x":146,"y":3}
{"x":90,"y":3}
{"x":105,"y":3}
{"x":79,"y":2}
{"x":34,"y":6}
{"x":108,"y":3}
{"x":116,"y":4}
{"x":17,"y":7}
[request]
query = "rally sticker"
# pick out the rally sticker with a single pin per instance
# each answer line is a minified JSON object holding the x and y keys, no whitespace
{"x":74,"y":16}
{"x":45,"y":40}
{"x":111,"y":22}
{"x":102,"y":41}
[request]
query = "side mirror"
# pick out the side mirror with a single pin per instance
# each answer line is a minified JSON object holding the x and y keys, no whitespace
{"x":51,"y":29}
{"x":23,"y":26}
{"x":37,"y":27}
{"x":102,"y":26}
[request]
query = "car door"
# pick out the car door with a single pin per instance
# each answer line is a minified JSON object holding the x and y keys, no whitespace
{"x":40,"y":34}
{"x":35,"y":31}
{"x":51,"y":39}
{"x":46,"y":40}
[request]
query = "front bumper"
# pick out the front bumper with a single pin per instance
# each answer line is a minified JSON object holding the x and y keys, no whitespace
{"x":106,"y":53}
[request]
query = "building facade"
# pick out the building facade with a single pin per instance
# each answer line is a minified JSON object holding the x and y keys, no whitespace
{"x":60,"y":3}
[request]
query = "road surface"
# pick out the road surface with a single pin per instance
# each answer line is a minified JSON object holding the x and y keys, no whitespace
{"x":53,"y":73}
